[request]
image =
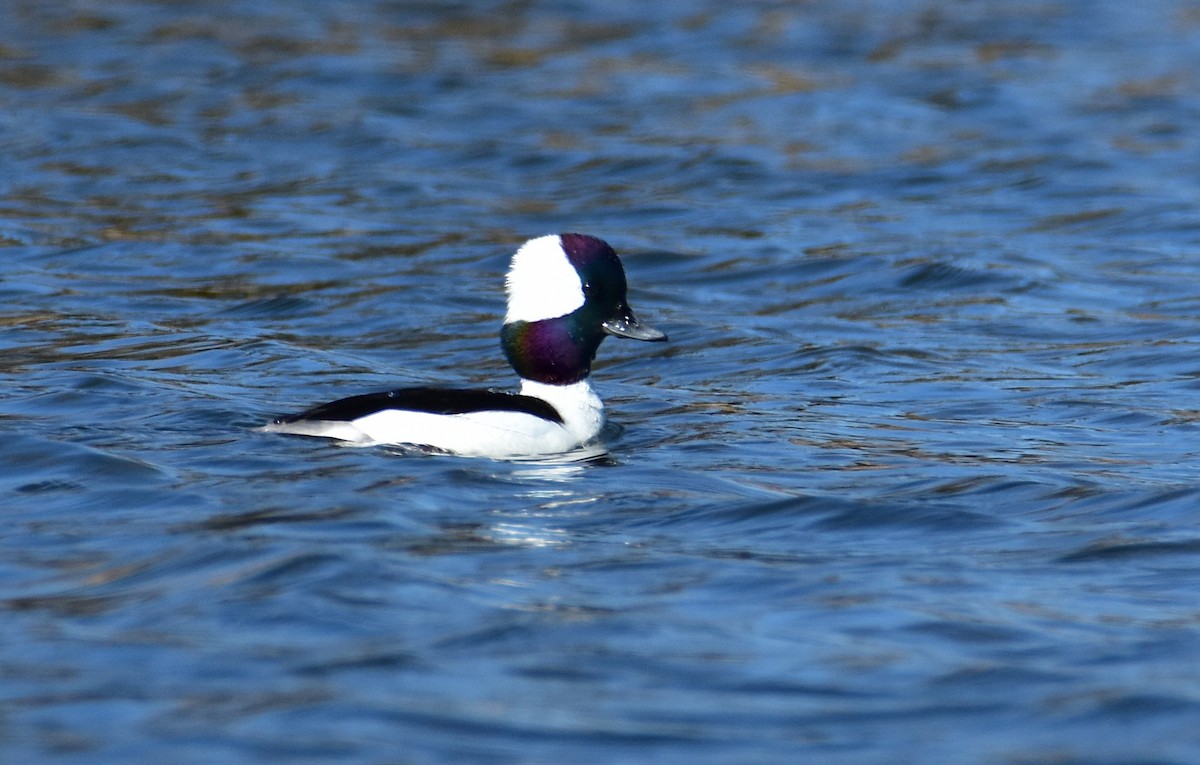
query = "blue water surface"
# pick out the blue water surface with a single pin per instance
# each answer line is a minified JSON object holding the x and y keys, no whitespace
{"x":916,"y":480}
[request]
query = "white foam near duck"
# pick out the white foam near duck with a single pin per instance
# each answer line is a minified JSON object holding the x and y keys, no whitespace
{"x":566,"y":292}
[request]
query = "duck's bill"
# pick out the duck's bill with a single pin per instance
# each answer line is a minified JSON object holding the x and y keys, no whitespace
{"x":625,"y":324}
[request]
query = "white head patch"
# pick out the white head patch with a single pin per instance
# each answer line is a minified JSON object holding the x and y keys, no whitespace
{"x":542,"y":283}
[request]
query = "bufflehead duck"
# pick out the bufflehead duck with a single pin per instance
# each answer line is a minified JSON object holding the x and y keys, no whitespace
{"x":565,"y":293}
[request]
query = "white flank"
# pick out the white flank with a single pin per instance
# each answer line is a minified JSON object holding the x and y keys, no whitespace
{"x":542,"y":283}
{"x":476,"y":434}
{"x":341,"y":430}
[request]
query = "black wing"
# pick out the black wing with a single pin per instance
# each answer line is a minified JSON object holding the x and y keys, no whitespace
{"x":432,"y":400}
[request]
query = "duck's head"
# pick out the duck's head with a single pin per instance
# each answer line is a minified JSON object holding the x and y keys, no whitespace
{"x":565,"y":293}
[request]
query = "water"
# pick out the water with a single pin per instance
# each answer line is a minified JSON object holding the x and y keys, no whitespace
{"x":915,"y":479}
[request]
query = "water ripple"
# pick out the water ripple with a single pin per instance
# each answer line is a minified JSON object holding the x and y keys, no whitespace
{"x":915,"y":473}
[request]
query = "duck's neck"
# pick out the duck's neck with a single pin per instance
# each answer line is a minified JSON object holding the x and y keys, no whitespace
{"x":556,"y":351}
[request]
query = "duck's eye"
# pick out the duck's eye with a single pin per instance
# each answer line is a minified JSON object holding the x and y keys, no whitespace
{"x":588,"y":289}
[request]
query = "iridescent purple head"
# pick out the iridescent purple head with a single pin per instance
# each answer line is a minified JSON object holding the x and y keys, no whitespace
{"x":565,"y":293}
